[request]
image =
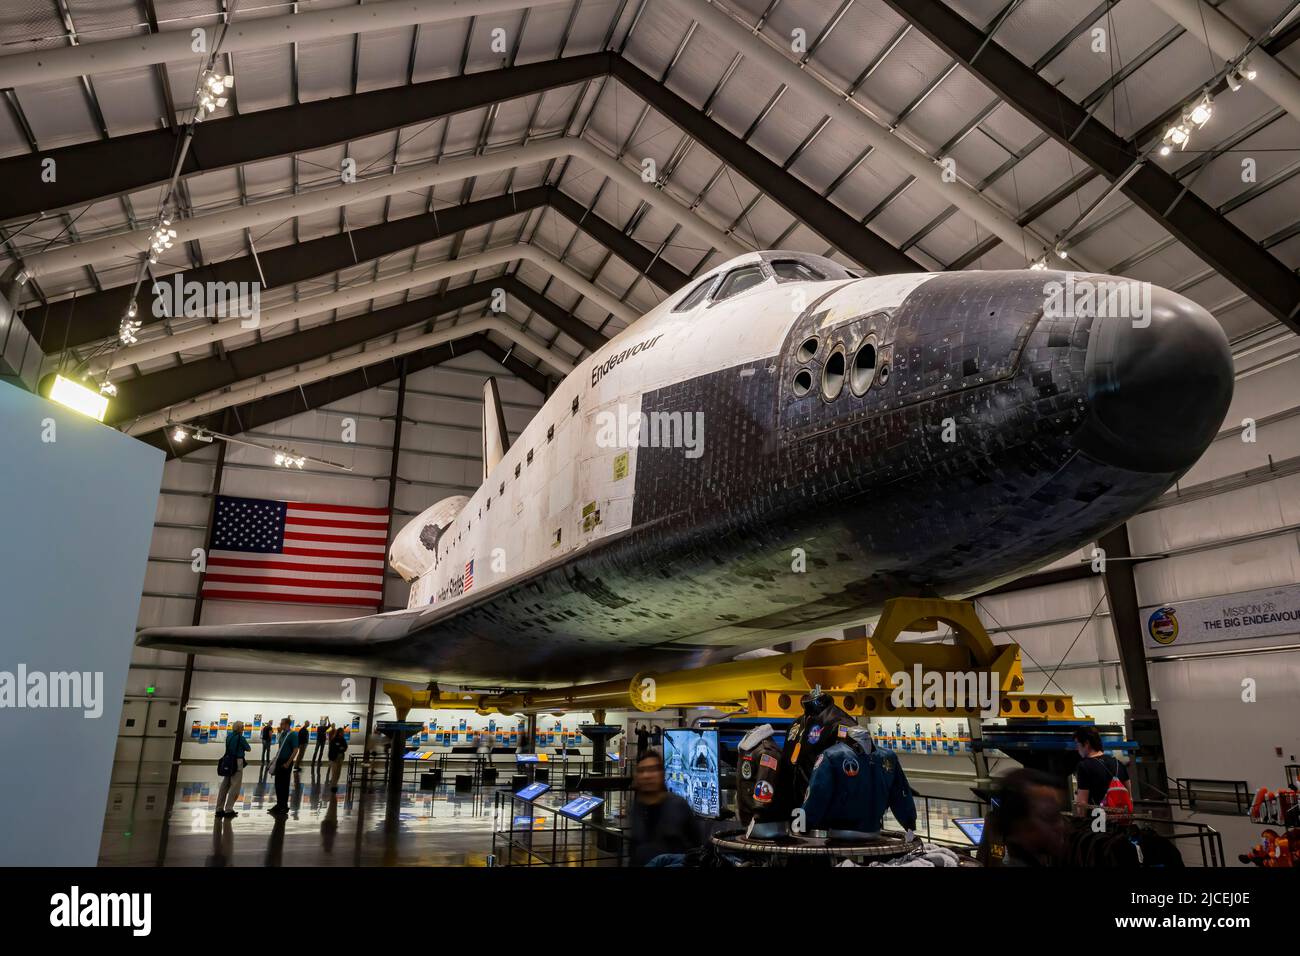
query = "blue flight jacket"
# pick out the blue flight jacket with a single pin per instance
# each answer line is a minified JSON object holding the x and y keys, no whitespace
{"x":850,"y":790}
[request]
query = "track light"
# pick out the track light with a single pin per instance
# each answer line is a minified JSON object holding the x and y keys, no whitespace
{"x":129,"y":326}
{"x":289,"y":460}
{"x":1038,"y":265}
{"x":211,"y":93}
{"x":1178,"y":135}
{"x":1201,"y":111}
{"x":107,"y":388}
{"x":160,"y":240}
{"x":179,"y":434}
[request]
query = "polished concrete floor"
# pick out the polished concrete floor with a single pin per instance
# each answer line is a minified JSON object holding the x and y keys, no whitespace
{"x":354,"y":826}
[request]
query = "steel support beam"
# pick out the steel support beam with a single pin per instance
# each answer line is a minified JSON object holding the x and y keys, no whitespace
{"x":179,"y":383}
{"x":187,"y":682}
{"x":267,"y":318}
{"x":1143,"y":722}
{"x":801,"y":201}
{"x":277,"y":407}
{"x":262,"y":387}
{"x":92,"y":171}
{"x":72,"y":323}
{"x":399,"y":417}
{"x":1177,"y":209}
{"x":243,"y":35}
{"x":123,"y":164}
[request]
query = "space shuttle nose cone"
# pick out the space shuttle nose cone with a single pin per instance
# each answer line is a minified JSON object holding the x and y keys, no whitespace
{"x":1159,"y":380}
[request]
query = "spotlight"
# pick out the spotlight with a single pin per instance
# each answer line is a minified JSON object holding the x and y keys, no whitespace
{"x":77,"y":397}
{"x":107,"y":388}
{"x":1200,"y":112}
{"x":212,"y":87}
{"x":179,"y":434}
{"x":130,"y":325}
{"x":1178,"y":136}
{"x":1038,"y":265}
{"x":1234,"y":80}
{"x":160,"y":240}
{"x":1060,"y":253}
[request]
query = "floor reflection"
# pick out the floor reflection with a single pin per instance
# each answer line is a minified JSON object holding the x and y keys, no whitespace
{"x":345,"y":826}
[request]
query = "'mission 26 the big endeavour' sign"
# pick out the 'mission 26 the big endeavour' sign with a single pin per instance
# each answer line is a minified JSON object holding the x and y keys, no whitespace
{"x":1227,"y":617}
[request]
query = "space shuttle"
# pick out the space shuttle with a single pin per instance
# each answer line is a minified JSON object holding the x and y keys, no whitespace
{"x":773,"y":451}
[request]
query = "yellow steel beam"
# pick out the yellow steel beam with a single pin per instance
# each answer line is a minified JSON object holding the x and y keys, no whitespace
{"x":877,"y":703}
{"x":860,"y":670}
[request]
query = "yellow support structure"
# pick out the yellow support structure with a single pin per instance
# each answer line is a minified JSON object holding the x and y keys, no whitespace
{"x":859,"y":673}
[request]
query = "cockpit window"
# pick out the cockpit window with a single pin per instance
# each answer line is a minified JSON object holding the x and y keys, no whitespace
{"x":790,"y":270}
{"x":738,"y":280}
{"x":696,"y":296}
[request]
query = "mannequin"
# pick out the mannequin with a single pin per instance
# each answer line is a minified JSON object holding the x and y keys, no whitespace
{"x":758,"y":762}
{"x":853,"y":783}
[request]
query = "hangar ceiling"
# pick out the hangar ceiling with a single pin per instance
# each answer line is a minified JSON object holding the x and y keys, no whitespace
{"x":590,"y":156}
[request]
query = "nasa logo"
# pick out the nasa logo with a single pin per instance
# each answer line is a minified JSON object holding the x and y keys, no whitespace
{"x":1163,"y":625}
{"x":814,"y":734}
{"x":850,"y":767}
{"x":763,"y":792}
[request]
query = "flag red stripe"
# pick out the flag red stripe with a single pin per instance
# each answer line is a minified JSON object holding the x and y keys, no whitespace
{"x":335,"y":523}
{"x":336,"y":509}
{"x":332,"y":538}
{"x":286,"y":582}
{"x":288,"y":598}
{"x":321,"y":553}
{"x":291,"y":566}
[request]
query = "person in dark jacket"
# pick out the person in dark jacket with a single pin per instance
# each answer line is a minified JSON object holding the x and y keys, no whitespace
{"x":338,"y":752}
{"x":663,"y":826}
{"x":236,"y":747}
{"x":282,"y":769}
{"x":304,"y":741}
{"x":267,"y":736}
{"x":322,"y":740}
{"x":853,"y":782}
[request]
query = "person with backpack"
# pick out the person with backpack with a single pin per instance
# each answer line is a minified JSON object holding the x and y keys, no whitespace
{"x":231,"y":770}
{"x":1102,"y":779}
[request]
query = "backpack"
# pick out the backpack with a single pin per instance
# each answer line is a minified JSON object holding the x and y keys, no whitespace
{"x":227,"y":765}
{"x":1118,"y":802}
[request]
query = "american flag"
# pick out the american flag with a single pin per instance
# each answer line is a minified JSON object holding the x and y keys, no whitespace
{"x":297,"y":553}
{"x":469,"y":575}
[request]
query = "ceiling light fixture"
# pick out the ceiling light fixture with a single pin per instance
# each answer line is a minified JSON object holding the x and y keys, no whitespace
{"x":211,"y":93}
{"x":160,"y":240}
{"x":77,"y":397}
